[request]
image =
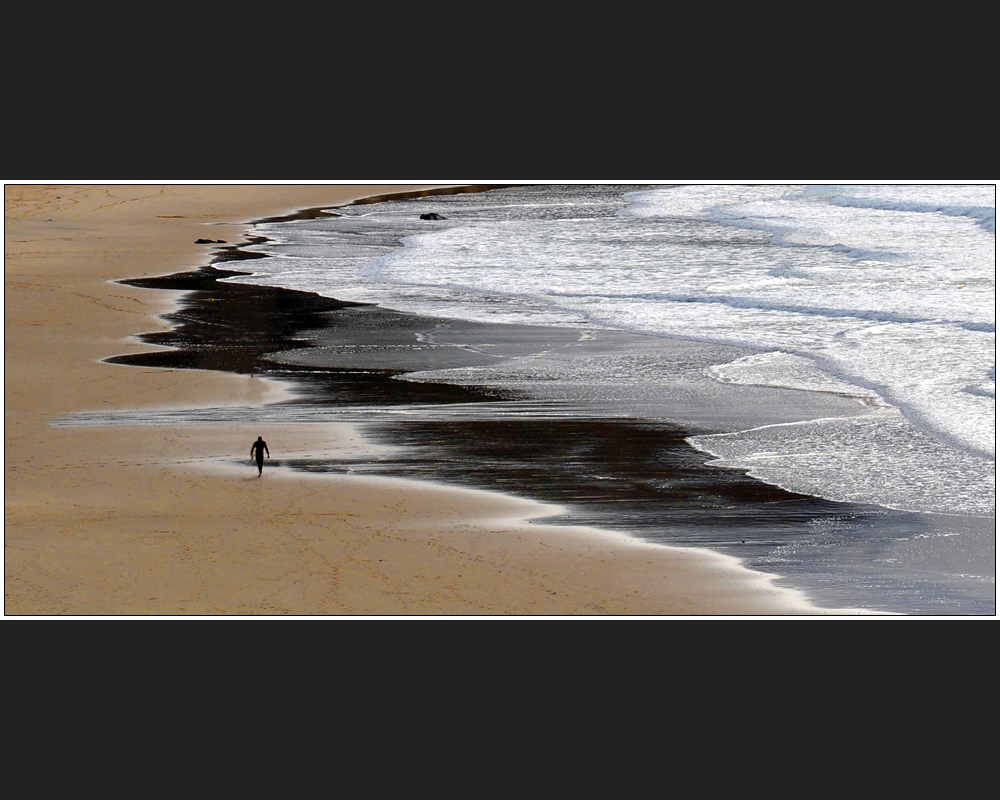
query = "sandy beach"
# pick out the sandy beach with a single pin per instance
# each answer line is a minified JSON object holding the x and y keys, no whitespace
{"x":153,"y":520}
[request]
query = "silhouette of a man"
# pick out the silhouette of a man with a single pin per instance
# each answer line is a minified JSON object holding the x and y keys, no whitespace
{"x":259,"y":448}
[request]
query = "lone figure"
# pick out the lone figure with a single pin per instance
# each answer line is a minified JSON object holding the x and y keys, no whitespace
{"x":259,"y":448}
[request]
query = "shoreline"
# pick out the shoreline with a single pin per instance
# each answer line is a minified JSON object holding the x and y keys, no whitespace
{"x":91,"y":530}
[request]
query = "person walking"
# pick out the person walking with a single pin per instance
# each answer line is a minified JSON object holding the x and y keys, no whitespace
{"x":259,"y":448}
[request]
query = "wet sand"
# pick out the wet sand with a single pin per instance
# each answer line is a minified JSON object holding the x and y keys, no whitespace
{"x":171,"y":519}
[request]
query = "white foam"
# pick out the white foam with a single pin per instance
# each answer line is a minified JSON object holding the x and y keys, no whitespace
{"x":877,"y":457}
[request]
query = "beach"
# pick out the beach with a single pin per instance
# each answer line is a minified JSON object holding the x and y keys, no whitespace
{"x":172,"y":519}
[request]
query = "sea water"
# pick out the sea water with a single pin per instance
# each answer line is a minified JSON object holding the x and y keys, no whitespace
{"x":883,"y":293}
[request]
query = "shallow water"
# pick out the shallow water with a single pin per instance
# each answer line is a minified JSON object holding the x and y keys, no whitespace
{"x":885,"y":292}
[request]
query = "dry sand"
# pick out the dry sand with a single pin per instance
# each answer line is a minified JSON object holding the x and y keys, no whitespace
{"x":161,"y":521}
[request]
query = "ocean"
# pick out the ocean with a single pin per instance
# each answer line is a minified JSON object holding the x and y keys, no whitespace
{"x":833,"y":343}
